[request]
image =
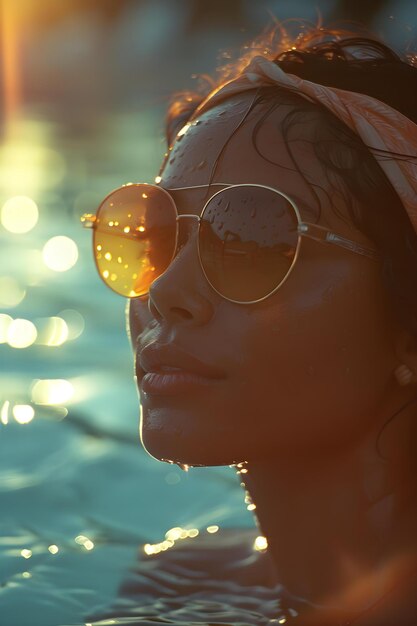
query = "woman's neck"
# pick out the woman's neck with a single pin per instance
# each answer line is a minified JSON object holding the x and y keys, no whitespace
{"x":340,"y":528}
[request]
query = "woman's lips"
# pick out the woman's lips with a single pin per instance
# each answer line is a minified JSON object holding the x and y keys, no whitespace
{"x":171,"y":383}
{"x":166,"y":370}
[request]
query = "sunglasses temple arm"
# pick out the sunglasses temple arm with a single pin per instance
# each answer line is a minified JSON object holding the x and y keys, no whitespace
{"x":322,"y":235}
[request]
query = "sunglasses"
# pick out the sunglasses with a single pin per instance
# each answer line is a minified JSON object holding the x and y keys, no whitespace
{"x":248,"y":240}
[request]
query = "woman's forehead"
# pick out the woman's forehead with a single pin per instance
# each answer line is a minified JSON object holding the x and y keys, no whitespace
{"x":235,"y":141}
{"x":198,"y":144}
{"x":226,"y":144}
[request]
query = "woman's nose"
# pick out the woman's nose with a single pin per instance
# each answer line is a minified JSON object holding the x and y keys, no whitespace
{"x":182,"y":295}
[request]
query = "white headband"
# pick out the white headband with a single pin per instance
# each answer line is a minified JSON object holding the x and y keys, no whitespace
{"x":381,"y":128}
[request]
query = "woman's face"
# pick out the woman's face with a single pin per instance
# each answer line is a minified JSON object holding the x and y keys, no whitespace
{"x":301,"y":372}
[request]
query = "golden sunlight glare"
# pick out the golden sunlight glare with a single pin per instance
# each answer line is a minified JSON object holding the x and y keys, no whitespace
{"x":9,"y":46}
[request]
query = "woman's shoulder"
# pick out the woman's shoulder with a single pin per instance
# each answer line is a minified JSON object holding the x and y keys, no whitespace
{"x":398,"y":607}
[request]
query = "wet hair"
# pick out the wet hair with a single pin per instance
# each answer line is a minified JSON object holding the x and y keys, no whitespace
{"x":355,"y":63}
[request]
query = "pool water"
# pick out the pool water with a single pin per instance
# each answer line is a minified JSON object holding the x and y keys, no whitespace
{"x":85,"y":511}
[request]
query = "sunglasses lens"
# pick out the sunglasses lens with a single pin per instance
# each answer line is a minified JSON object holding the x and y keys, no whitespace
{"x":134,"y":238}
{"x":248,"y":241}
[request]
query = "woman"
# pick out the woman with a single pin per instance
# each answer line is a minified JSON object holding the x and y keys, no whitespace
{"x":278,"y":332}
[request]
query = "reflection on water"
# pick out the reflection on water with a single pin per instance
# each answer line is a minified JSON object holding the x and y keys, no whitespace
{"x":79,"y":497}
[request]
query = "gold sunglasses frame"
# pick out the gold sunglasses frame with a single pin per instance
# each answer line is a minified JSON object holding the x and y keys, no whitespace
{"x":304,"y":229}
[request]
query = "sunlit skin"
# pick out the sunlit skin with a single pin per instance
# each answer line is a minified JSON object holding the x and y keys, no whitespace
{"x":308,"y":378}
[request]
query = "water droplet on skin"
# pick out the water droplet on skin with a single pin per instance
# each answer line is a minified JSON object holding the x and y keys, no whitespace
{"x":183,"y":466}
{"x":201,"y":165}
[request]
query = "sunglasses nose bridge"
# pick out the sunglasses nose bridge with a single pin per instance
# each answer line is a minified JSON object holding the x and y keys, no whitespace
{"x":188,"y":215}
{"x":185,"y":234}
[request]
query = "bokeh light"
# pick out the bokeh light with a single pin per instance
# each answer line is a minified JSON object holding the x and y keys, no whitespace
{"x":260,"y":544}
{"x":5,"y":321}
{"x":11,"y":293}
{"x":171,"y":536}
{"x":84,"y":541}
{"x":23,"y":413}
{"x":26,"y":553}
{"x":75,"y":322}
{"x":212,"y":529}
{"x":52,"y":391}
{"x":21,"y":333}
{"x":60,"y":253}
{"x":25,"y":144}
{"x":19,"y":214}
{"x":52,"y":331}
{"x":4,"y":412}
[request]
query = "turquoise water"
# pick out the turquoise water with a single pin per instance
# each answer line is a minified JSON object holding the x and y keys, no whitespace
{"x":79,"y":497}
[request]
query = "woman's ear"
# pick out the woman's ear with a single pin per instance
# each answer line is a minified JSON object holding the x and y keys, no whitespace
{"x":406,"y":353}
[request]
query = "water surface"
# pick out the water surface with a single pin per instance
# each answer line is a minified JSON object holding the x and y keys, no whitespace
{"x":79,"y":497}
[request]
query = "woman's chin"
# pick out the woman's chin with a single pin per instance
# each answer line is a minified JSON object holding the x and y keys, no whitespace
{"x":183,"y":450}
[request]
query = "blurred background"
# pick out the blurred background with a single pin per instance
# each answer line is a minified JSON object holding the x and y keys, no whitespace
{"x":84,"y":88}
